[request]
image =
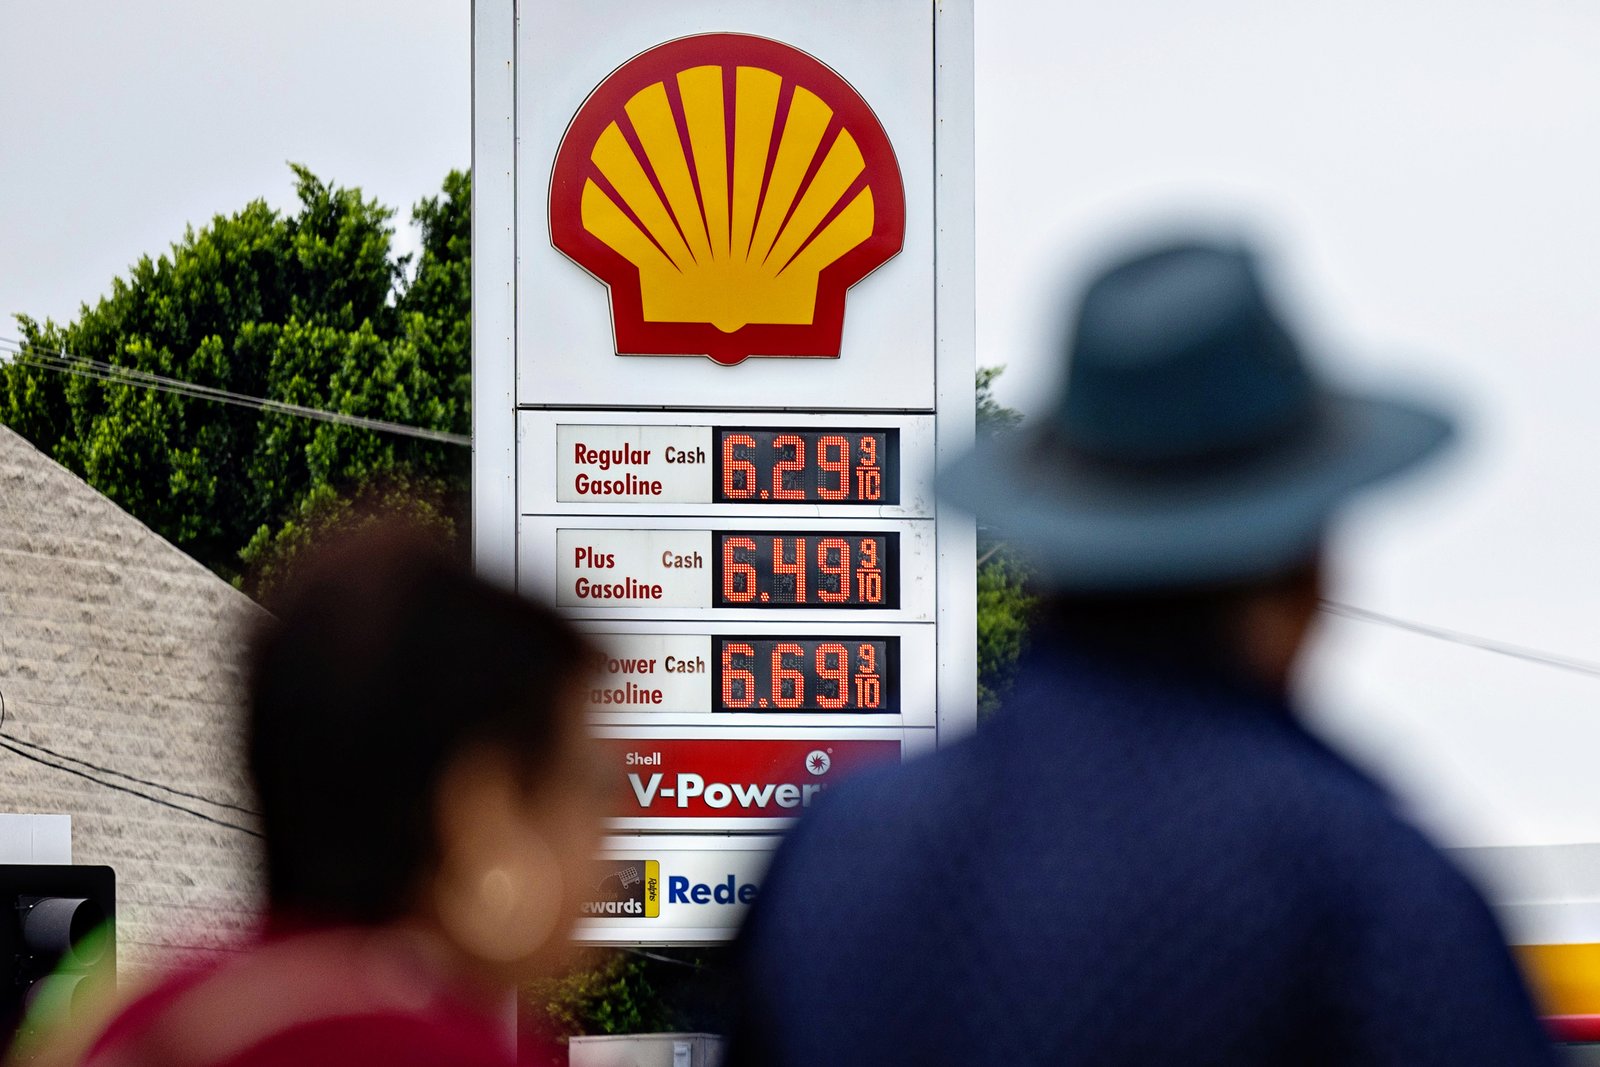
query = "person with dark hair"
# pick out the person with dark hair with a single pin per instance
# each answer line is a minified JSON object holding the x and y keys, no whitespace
{"x":428,"y":812}
{"x":1145,"y":858}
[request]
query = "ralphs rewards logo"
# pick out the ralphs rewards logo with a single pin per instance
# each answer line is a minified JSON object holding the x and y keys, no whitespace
{"x":729,"y":190}
{"x":624,"y":889}
{"x":722,"y":778}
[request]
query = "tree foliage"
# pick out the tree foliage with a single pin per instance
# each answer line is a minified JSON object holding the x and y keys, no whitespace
{"x":994,"y":418}
{"x":310,"y":307}
{"x":1005,"y":604}
{"x":608,"y":993}
{"x":622,"y":992}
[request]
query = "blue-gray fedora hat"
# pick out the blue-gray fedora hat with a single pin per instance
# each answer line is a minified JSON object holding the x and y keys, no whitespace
{"x":1191,"y":445}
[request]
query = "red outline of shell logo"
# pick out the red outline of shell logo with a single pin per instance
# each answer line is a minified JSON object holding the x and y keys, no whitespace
{"x":728,"y":190}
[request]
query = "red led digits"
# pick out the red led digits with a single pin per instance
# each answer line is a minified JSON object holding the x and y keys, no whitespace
{"x":869,"y":579}
{"x":795,"y":567}
{"x":833,"y":560}
{"x":738,"y":684}
{"x":790,"y":466}
{"x":833,"y":457}
{"x":781,"y":490}
{"x":771,"y":675}
{"x":805,"y":570}
{"x":869,"y":479}
{"x":833,"y":665}
{"x":738,"y":575}
{"x":869,"y":687}
{"x":738,"y":473}
{"x":788,"y":684}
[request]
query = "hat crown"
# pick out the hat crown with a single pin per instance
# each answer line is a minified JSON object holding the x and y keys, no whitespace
{"x":1178,"y":355}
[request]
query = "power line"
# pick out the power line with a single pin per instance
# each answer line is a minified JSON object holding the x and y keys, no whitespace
{"x":8,"y":741}
{"x":1458,"y":637}
{"x":662,"y":959}
{"x":124,"y":789}
{"x":14,"y":739}
{"x":1439,"y":633}
{"x":30,"y":355}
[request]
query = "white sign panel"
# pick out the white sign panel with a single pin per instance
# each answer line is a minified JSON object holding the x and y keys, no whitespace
{"x":682,"y":889}
{"x":631,"y":464}
{"x":633,"y":568}
{"x":35,"y":839}
{"x":569,"y":334}
{"x":654,"y":673}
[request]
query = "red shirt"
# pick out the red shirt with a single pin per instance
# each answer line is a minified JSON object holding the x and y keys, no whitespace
{"x":333,"y":997}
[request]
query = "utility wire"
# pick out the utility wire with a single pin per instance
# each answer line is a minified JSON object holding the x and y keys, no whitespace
{"x":124,"y":789}
{"x":8,"y":741}
{"x":14,"y":739}
{"x":662,"y":959}
{"x":1438,"y":633}
{"x":40,"y":359}
{"x":1457,"y":637}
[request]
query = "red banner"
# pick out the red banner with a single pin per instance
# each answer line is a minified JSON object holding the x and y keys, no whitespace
{"x":757,"y":778}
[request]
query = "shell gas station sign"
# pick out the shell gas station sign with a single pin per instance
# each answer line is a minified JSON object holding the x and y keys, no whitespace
{"x":722,"y":337}
{"x":728,"y":189}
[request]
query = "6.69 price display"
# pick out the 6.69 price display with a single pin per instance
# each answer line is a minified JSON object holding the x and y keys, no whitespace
{"x":806,"y":674}
{"x":805,"y":570}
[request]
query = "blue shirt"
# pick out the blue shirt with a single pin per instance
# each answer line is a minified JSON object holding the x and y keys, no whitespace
{"x":1124,"y":870}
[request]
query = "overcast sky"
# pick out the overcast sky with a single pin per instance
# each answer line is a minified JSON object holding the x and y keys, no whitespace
{"x":1424,"y":174}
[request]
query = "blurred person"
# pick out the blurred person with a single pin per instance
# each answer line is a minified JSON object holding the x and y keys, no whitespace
{"x":429,"y":812}
{"x":1145,"y":858}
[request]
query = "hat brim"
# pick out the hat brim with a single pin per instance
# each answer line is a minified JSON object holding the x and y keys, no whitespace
{"x":1089,"y":526}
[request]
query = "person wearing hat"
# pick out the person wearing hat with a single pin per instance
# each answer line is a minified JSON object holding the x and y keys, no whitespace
{"x":1145,"y":858}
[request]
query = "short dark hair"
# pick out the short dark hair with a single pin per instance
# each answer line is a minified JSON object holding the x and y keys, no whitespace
{"x":1191,"y":631}
{"x":385,"y":661}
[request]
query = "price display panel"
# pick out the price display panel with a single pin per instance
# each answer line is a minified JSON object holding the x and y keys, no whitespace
{"x":805,"y":570}
{"x":806,"y":674}
{"x":653,"y":463}
{"x":805,"y":466}
{"x":811,"y":569}
{"x":654,"y":672}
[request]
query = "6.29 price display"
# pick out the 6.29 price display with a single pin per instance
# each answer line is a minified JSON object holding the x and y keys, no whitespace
{"x":805,"y":570}
{"x":806,"y":674}
{"x":753,"y":465}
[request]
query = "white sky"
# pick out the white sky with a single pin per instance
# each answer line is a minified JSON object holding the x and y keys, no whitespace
{"x":120,"y":123}
{"x":1427,"y":175}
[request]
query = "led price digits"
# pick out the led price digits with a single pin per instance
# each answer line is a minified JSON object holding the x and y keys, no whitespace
{"x":806,"y":466}
{"x":757,"y":674}
{"x":777,"y":570}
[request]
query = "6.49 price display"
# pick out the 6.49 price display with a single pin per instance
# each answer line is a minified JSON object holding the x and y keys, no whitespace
{"x":805,"y":570}
{"x":753,"y":465}
{"x":806,"y":674}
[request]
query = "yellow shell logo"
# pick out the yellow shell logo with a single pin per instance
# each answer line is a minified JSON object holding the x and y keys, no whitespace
{"x":728,"y":190}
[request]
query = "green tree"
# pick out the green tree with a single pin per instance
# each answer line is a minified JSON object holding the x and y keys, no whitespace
{"x":310,"y":307}
{"x":607,"y":993}
{"x":617,"y":991}
{"x":994,"y":418}
{"x":1005,"y":604}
